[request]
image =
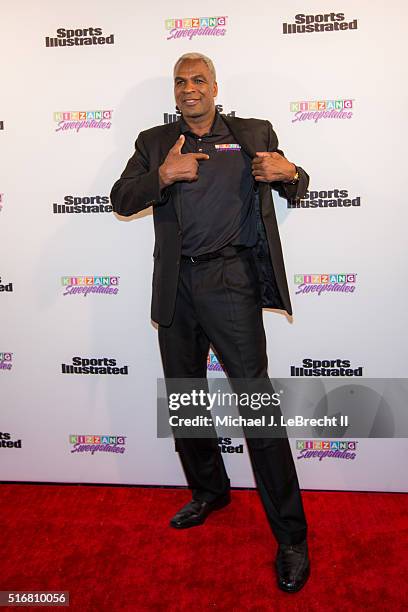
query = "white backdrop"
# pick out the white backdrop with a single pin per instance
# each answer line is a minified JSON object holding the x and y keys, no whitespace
{"x":261,"y":72}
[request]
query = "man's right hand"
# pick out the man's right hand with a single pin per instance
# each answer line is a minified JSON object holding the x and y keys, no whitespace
{"x":179,"y":166}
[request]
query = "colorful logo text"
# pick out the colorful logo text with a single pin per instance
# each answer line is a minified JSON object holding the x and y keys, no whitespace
{"x":325,"y":283}
{"x":90,"y":284}
{"x":6,"y":360}
{"x":212,"y":362}
{"x":195,"y":26}
{"x":314,"y":110}
{"x":76,"y":120}
{"x":94,"y":444}
{"x":227,"y":147}
{"x":320,"y":449}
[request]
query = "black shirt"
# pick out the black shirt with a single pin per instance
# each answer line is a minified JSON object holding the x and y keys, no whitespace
{"x":218,"y":208}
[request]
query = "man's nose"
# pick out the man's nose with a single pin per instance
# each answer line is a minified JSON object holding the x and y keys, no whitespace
{"x":189,"y":86}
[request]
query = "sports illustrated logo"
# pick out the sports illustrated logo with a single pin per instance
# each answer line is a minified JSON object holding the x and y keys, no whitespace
{"x":195,"y":26}
{"x":225,"y":445}
{"x":6,"y":360}
{"x":92,"y":365}
{"x":314,"y":110}
{"x":329,"y":22}
{"x":320,"y":449}
{"x":1,"y":201}
{"x":97,"y":444}
{"x":213,"y":364}
{"x":173,"y":117}
{"x":7,"y":287}
{"x":79,"y":37}
{"x":325,"y":283}
{"x":82,"y":285}
{"x":325,"y":367}
{"x":76,"y":120}
{"x":85,"y":204}
{"x":331,"y":198}
{"x":7,"y":442}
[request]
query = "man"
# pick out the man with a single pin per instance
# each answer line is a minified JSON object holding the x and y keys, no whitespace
{"x":217,"y":261}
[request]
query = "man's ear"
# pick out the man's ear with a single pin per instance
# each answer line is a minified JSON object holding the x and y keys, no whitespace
{"x":215,"y":89}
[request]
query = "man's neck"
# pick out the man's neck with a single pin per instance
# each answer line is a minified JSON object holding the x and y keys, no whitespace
{"x":200,"y":125}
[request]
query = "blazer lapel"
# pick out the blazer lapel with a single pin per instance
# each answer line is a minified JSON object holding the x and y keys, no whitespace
{"x":167,"y":141}
{"x":246,"y":138}
{"x":241,"y":133}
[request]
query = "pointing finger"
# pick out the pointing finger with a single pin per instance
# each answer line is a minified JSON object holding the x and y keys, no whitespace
{"x":200,"y":155}
{"x":176,"y":148}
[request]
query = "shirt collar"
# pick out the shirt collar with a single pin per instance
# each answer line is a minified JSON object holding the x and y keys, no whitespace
{"x":217,"y":128}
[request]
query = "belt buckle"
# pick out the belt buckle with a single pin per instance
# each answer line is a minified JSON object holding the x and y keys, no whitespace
{"x":193,"y":260}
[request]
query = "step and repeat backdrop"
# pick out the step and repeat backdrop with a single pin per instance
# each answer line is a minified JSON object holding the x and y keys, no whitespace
{"x":79,"y":357}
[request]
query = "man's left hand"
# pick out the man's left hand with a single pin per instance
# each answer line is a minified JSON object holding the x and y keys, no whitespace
{"x":268,"y":167}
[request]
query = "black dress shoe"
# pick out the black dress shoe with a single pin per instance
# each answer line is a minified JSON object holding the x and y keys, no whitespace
{"x":195,"y":512}
{"x":293,"y":566}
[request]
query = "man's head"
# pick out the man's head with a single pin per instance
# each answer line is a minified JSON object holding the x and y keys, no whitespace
{"x":195,"y":85}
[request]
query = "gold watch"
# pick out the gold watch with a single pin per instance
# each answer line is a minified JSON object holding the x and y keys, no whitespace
{"x":295,"y":178}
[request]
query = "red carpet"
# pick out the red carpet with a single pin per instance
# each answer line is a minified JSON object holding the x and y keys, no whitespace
{"x":112,"y":549}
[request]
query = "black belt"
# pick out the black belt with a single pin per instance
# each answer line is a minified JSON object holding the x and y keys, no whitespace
{"x":228,"y":251}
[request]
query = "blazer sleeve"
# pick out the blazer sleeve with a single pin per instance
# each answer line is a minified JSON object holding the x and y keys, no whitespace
{"x":138,"y":186}
{"x":286,"y":190}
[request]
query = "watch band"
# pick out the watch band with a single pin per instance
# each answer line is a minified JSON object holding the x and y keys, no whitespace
{"x":295,"y":178}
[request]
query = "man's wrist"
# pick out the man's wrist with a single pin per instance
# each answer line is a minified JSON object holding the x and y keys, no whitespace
{"x":293,"y":176}
{"x":163,"y":181}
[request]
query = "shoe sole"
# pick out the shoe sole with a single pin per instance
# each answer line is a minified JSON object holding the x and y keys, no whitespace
{"x":299,"y":586}
{"x":196,"y":523}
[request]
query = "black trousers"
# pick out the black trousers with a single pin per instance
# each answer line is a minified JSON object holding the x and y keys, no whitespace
{"x":219,"y":302}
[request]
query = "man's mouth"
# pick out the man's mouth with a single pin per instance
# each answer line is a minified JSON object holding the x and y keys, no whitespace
{"x":191,"y":102}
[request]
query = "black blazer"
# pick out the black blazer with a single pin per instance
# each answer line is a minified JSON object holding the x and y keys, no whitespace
{"x":138,"y":188}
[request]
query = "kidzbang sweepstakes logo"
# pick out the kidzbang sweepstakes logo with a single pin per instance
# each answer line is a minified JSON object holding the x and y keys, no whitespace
{"x":76,"y":120}
{"x":320,"y":449}
{"x":325,"y":283}
{"x":82,"y":285}
{"x":6,"y":361}
{"x":195,"y":26}
{"x":213,"y":365}
{"x":227,"y":147}
{"x":314,"y":110}
{"x":97,"y":444}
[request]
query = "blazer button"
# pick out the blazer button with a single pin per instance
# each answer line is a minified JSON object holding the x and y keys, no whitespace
{"x":179,"y":233}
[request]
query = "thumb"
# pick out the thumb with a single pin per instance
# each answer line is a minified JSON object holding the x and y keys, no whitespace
{"x":263,"y":154}
{"x":176,"y":148}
